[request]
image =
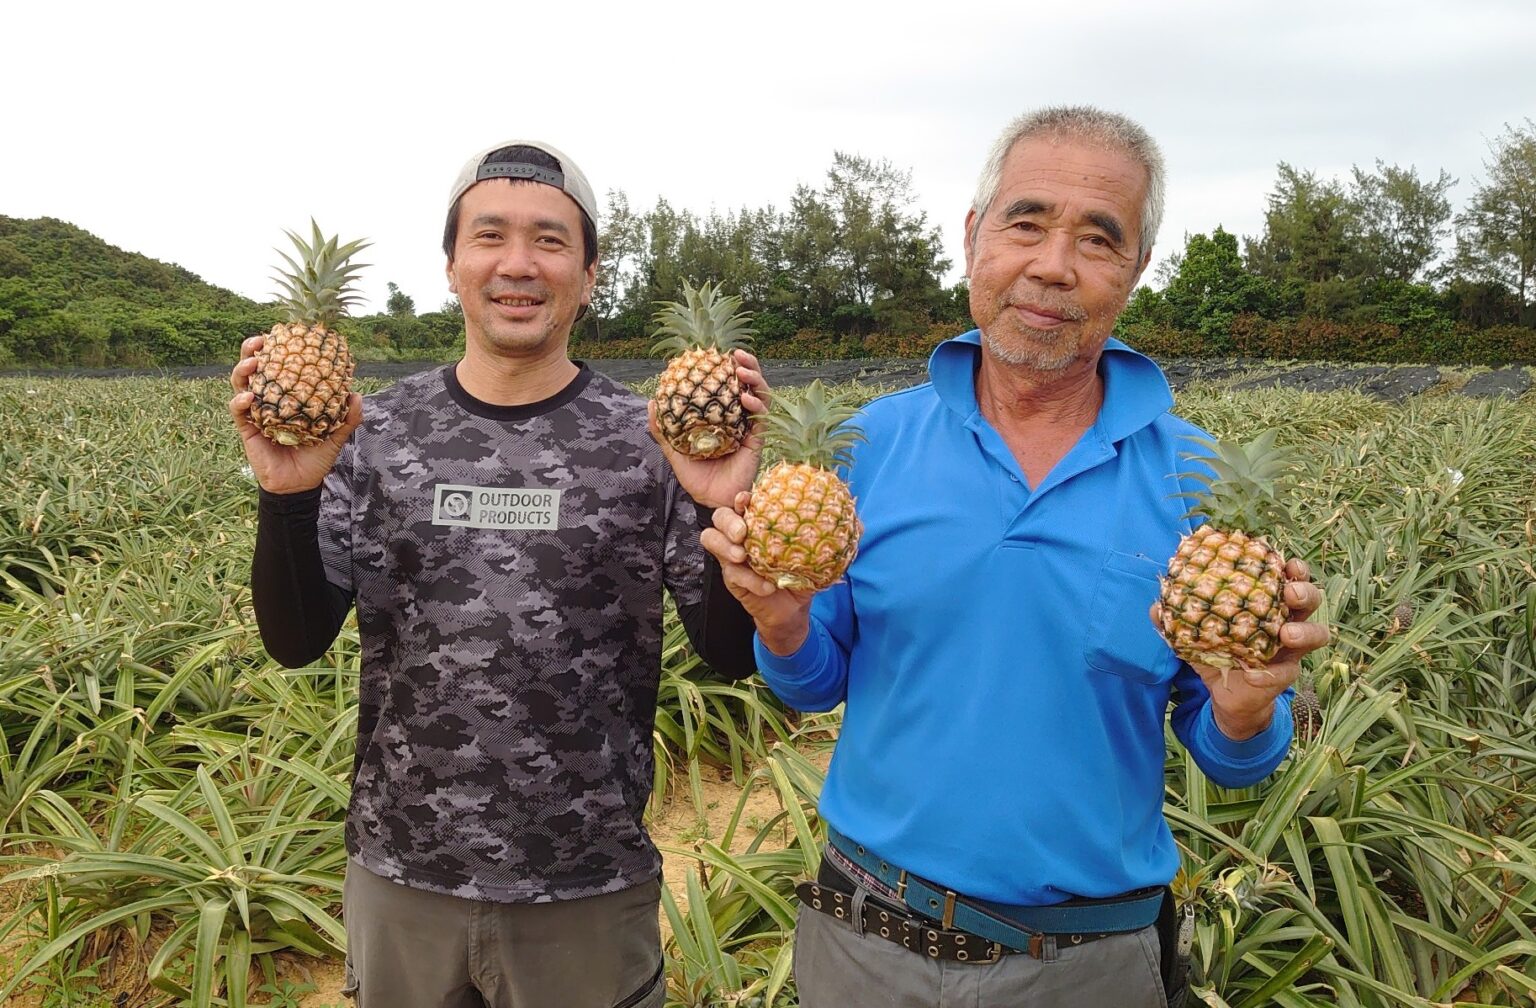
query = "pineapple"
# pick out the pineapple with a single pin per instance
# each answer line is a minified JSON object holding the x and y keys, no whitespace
{"x":1306,"y":709}
{"x":802,"y":531}
{"x":698,"y":397}
{"x":1221,"y":601}
{"x":304,"y":370}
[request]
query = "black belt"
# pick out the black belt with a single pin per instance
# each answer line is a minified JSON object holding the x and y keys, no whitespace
{"x":834,"y":894}
{"x":1026,"y":929}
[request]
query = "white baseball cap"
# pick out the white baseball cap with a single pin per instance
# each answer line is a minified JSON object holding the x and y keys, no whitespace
{"x":568,"y":179}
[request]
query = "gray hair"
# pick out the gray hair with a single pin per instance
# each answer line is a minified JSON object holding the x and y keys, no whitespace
{"x":1082,"y":122}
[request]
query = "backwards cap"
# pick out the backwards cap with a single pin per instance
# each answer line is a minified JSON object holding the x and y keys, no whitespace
{"x":568,"y":179}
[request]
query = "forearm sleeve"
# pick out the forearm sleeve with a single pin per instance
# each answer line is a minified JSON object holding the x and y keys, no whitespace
{"x":718,"y":627}
{"x":1227,"y":762}
{"x":298,"y":611}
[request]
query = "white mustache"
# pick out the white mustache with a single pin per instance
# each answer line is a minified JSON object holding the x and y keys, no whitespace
{"x":1055,"y":305}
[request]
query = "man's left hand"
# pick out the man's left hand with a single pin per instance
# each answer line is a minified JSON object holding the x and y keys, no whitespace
{"x":715,"y":483}
{"x":1243,"y":702}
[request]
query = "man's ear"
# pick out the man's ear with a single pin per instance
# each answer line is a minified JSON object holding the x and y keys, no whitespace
{"x":1141,"y":269}
{"x":967,"y":240}
{"x":591,"y":282}
{"x":453,"y":285}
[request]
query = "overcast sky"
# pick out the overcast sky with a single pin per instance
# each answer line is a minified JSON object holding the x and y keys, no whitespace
{"x":195,"y":133}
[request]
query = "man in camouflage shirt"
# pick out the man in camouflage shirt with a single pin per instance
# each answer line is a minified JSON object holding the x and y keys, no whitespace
{"x":505,"y":527}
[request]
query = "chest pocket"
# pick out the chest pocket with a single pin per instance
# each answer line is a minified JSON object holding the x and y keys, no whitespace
{"x":1121,"y":639}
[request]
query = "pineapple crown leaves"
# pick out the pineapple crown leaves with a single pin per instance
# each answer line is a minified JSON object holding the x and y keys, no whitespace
{"x":812,"y":430}
{"x":1241,"y":495}
{"x":318,"y":287}
{"x":704,"y":318}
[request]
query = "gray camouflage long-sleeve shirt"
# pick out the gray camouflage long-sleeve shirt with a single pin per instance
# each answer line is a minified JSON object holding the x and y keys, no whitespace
{"x":507,"y":565}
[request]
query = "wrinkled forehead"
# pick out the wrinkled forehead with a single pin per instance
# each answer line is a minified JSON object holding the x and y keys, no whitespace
{"x":1067,"y":157}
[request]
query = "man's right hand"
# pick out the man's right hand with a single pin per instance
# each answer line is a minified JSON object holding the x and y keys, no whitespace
{"x":278,"y":468}
{"x":783,"y":617}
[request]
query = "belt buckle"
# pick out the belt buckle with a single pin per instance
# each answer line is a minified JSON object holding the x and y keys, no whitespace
{"x":994,"y":954}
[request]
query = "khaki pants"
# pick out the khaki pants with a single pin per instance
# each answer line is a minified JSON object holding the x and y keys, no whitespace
{"x":838,"y":968}
{"x":408,"y":948}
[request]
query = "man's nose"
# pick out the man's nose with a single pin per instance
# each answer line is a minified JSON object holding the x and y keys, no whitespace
{"x":517,"y":259}
{"x":1054,"y":261}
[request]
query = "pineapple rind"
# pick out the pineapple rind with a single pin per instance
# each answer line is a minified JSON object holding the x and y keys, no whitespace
{"x":802,"y":527}
{"x":301,"y":384}
{"x":1306,"y":711}
{"x":699,"y":408}
{"x":1222,"y":602}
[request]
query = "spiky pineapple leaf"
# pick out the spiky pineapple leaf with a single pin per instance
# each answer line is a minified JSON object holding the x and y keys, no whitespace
{"x":813,"y":430}
{"x":1242,"y":493}
{"x":318,"y":286}
{"x":704,"y":318}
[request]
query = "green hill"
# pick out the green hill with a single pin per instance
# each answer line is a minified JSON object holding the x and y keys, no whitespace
{"x":69,"y":298}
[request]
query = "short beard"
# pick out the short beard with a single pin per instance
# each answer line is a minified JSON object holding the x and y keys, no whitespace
{"x":1036,"y":358}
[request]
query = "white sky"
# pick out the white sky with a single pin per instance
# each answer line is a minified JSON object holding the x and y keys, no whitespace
{"x":195,"y":133}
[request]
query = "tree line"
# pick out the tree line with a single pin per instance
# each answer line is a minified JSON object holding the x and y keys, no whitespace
{"x":1375,"y":266}
{"x":1372,"y":267}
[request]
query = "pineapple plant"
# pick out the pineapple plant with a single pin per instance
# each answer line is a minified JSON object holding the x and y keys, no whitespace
{"x":802,"y":530}
{"x":1221,"y":602}
{"x":1306,"y":709}
{"x":304,"y":370}
{"x":698,"y":396}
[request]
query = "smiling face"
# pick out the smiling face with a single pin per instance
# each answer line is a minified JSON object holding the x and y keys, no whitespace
{"x":517,"y":268}
{"x":1053,"y":260}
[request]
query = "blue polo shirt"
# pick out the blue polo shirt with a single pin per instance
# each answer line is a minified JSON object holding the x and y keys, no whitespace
{"x":1006,"y":690}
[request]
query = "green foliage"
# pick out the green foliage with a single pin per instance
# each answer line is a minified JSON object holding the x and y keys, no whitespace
{"x":851,"y":258}
{"x":400,"y":304}
{"x":1496,"y":235}
{"x":1211,"y":288}
{"x":1394,"y":851}
{"x":68,"y":298}
{"x":1241,"y":491}
{"x":435,"y":335}
{"x":1397,"y":223}
{"x":706,"y":318}
{"x":1479,"y":303}
{"x":1306,"y":229}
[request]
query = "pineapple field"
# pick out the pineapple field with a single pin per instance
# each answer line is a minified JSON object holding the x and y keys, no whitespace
{"x":171,"y":800}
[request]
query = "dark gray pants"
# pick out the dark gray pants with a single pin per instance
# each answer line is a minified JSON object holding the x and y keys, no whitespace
{"x":836,"y":968}
{"x":413,"y":949}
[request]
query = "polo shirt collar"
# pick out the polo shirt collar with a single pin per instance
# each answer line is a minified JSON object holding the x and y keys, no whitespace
{"x":1135,"y":391}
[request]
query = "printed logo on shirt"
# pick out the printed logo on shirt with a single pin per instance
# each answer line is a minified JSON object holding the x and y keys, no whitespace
{"x":495,"y":507}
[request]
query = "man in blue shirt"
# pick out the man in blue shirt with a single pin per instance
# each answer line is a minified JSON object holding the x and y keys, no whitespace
{"x":1000,"y":766}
